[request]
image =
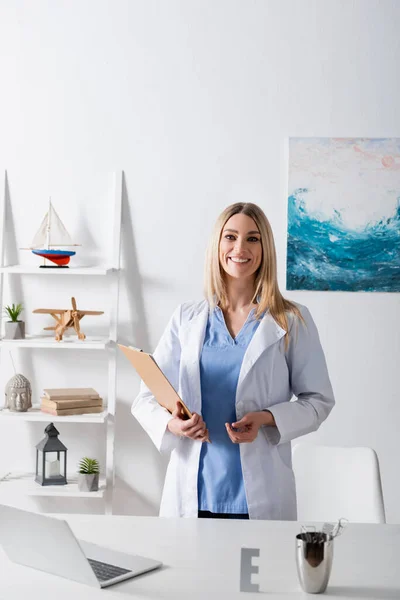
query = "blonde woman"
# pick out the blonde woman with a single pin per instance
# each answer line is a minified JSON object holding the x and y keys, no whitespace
{"x":236,"y":359}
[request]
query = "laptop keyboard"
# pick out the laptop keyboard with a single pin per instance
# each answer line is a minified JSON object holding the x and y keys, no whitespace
{"x":104,"y":571}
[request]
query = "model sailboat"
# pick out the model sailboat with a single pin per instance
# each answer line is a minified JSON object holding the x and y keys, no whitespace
{"x":49,"y":239}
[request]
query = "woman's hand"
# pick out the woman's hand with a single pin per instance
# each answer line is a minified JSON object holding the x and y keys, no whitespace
{"x":246,"y":430}
{"x":193,"y":428}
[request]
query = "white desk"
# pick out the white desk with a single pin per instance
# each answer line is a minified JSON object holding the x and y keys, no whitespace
{"x":201,"y":561}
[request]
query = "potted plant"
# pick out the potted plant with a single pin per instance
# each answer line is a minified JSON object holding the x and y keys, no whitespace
{"x":88,"y":475}
{"x":14,"y":329}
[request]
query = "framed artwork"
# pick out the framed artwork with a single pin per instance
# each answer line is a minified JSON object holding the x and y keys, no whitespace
{"x":344,"y":214}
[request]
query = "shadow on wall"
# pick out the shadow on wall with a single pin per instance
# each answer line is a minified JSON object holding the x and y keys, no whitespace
{"x":136,"y":455}
{"x":125,"y":496}
{"x":77,"y":506}
{"x":136,"y":328}
{"x":142,"y":465}
{"x":85,"y":238}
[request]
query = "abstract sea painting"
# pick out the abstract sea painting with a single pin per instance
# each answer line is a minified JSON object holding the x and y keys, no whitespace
{"x":344,"y":214}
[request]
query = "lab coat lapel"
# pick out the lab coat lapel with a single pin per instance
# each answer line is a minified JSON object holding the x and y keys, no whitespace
{"x":267,"y":333}
{"x":192,"y":338}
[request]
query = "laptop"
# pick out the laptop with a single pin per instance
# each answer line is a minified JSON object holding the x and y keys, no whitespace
{"x":48,"y":544}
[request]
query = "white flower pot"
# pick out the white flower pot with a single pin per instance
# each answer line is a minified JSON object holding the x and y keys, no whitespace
{"x":14,"y":330}
{"x":88,"y":483}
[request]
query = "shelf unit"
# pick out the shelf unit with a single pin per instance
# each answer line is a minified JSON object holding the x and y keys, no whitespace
{"x":23,"y":483}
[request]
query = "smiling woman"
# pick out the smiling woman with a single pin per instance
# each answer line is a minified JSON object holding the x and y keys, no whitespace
{"x":243,"y":233}
{"x":236,"y":359}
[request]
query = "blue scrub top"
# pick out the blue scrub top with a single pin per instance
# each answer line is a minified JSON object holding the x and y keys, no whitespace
{"x":220,"y":479}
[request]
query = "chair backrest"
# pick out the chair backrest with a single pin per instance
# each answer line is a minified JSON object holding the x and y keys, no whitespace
{"x":334,"y":482}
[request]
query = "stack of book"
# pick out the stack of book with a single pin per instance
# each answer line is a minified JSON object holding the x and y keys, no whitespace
{"x":71,"y":401}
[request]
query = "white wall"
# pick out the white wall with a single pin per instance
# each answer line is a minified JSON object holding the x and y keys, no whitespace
{"x":194,"y":100}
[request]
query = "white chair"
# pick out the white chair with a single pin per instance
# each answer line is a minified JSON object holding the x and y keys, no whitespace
{"x":334,"y":482}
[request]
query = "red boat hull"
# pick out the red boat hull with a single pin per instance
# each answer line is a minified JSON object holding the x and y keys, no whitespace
{"x":59,"y":259}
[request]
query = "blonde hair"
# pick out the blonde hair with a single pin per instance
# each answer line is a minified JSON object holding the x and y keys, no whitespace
{"x":266,"y":289}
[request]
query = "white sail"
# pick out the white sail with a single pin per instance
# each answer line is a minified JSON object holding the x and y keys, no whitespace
{"x":39,"y":241}
{"x":51,"y":232}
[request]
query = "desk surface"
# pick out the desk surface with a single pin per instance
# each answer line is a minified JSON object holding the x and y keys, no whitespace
{"x":201,"y":561}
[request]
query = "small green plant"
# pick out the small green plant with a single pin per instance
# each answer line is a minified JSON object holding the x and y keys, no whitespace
{"x":13,"y":312}
{"x":89,"y":466}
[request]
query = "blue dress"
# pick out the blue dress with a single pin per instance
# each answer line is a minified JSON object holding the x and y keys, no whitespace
{"x":220,"y":478}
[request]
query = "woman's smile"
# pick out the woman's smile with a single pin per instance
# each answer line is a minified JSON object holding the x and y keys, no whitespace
{"x":239,"y":261}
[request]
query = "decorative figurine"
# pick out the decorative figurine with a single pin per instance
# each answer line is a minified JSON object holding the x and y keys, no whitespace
{"x":48,"y":239}
{"x":67,"y":318}
{"x":18,"y":393}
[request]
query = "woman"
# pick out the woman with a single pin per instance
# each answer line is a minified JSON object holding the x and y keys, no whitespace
{"x":236,"y":360}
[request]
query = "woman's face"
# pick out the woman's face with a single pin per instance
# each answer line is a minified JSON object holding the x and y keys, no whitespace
{"x":240,"y":251}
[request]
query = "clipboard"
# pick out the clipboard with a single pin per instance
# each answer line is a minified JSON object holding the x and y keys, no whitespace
{"x":149,"y":371}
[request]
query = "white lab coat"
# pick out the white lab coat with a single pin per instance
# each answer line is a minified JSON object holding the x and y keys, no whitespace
{"x":268,"y":378}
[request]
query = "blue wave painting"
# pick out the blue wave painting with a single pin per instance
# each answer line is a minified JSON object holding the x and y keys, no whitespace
{"x":324,"y":253}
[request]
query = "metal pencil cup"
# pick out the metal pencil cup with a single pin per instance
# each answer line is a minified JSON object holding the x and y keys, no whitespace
{"x":314,"y":555}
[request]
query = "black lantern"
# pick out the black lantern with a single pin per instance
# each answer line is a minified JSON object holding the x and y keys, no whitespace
{"x":51,"y":459}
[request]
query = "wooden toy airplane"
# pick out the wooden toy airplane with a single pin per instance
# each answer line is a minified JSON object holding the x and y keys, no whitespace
{"x":67,"y":318}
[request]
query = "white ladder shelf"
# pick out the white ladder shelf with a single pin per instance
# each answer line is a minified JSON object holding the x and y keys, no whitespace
{"x":23,"y":482}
